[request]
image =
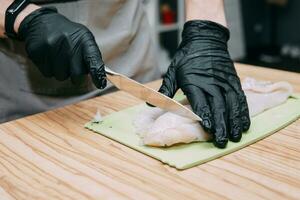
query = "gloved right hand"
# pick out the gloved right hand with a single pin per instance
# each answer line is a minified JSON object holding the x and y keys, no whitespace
{"x":61,"y":48}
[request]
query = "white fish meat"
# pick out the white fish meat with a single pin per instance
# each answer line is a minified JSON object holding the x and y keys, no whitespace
{"x":157,"y":127}
{"x":263,"y":95}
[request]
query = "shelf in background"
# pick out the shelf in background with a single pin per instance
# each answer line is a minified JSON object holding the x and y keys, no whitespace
{"x":168,"y":27}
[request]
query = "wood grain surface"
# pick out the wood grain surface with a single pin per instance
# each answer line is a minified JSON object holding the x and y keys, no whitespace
{"x":52,"y":156}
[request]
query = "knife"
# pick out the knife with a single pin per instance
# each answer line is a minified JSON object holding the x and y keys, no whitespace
{"x":148,"y":94}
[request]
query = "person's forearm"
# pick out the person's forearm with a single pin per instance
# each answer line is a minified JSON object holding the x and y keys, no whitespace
{"x":212,"y":10}
{"x":4,"y":5}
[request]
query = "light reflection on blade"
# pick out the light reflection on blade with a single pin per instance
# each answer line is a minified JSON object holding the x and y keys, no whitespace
{"x":149,"y":95}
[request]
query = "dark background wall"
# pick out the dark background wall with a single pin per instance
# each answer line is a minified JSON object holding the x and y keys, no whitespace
{"x":268,"y":30}
{"x":256,"y":22}
{"x":258,"y":17}
{"x":289,"y":23}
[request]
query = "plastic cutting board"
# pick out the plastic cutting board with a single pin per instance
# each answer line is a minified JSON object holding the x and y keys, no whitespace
{"x":118,"y":126}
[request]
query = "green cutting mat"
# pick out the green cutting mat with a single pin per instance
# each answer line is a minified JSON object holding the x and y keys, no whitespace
{"x":118,"y":126}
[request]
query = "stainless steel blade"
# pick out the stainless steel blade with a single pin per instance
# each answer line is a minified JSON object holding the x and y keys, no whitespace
{"x":149,"y":95}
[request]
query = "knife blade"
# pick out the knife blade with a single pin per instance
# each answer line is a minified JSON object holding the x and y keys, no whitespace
{"x":148,"y":94}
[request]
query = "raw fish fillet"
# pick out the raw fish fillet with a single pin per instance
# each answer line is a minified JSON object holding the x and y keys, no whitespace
{"x":263,"y":95}
{"x":157,"y":127}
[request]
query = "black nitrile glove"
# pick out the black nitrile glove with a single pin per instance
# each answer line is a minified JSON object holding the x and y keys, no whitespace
{"x":203,"y":69}
{"x":61,"y":48}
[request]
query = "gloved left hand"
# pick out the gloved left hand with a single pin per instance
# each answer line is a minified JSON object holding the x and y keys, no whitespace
{"x":203,"y":69}
{"x":61,"y":48}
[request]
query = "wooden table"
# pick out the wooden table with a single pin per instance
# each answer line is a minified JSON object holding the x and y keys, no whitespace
{"x":51,"y":156}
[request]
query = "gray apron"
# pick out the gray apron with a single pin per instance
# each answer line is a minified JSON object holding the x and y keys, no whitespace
{"x":122,"y":32}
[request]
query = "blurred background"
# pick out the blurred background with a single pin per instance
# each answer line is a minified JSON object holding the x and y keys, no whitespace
{"x":263,"y":32}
